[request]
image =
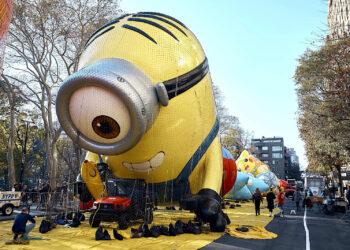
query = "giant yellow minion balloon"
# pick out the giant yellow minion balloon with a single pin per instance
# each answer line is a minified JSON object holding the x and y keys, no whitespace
{"x":142,"y":104}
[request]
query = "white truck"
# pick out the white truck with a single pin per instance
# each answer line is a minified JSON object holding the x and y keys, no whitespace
{"x":315,"y":184}
{"x":8,"y":201}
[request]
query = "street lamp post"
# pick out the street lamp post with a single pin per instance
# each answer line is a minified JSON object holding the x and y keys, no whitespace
{"x":23,"y":141}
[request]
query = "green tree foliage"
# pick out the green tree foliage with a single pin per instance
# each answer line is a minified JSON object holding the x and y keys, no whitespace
{"x":323,"y":88}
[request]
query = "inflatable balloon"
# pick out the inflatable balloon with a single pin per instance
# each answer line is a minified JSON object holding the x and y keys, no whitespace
{"x":269,"y":178}
{"x":262,"y":168}
{"x":283,"y":184}
{"x":250,"y":180}
{"x":256,"y":183}
{"x":249,"y":163}
{"x":241,"y":181}
{"x":245,"y":163}
{"x":230,"y":171}
{"x":5,"y":18}
{"x":142,"y":104}
{"x":242,"y":194}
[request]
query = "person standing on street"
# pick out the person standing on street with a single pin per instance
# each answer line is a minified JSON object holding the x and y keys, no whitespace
{"x":297,"y":198}
{"x":348,"y":197}
{"x":270,"y":201}
{"x":280,"y":200}
{"x":20,"y":224}
{"x":257,"y":198}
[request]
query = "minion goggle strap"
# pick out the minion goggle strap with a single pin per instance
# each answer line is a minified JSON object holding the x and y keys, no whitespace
{"x":180,"y":84}
{"x":104,"y":133}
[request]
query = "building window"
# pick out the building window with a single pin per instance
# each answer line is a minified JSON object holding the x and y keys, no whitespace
{"x":265,"y":155}
{"x":277,"y":155}
{"x":267,"y":162}
{"x":256,"y":148}
{"x":276,"y":148}
{"x":274,"y":162}
{"x":272,"y":140}
{"x":265,"y":148}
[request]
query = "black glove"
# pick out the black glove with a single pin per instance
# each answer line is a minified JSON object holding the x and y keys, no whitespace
{"x":206,"y":205}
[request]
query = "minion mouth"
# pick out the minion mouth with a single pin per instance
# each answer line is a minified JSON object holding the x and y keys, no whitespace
{"x":146,"y":166}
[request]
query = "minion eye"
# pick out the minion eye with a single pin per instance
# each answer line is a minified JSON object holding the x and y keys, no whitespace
{"x":106,"y":127}
{"x":101,"y":121}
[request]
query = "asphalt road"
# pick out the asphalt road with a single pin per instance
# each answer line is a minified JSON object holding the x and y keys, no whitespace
{"x":325,"y":232}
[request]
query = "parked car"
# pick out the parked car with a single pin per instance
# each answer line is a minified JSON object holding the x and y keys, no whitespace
{"x":8,"y":201}
{"x":289,"y":192}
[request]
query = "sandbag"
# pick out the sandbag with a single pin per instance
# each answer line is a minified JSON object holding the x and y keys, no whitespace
{"x":99,"y":234}
{"x":116,"y":235}
{"x":155,"y":231}
{"x":44,"y":226}
{"x":80,"y":216}
{"x":172,"y":231}
{"x":179,"y":227}
{"x":102,"y":235}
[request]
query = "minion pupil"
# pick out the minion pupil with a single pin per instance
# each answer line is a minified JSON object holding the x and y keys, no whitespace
{"x":106,"y":127}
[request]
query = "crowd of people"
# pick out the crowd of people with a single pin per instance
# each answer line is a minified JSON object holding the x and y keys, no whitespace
{"x":257,"y":198}
{"x":38,"y":194}
{"x":276,"y":199}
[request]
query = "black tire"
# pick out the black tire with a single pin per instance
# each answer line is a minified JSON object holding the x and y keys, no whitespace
{"x":93,"y":221}
{"x":148,"y":216}
{"x":123,"y":222}
{"x":7,"y":209}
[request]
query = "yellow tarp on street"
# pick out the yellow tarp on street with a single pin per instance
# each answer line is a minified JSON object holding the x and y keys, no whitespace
{"x":83,"y":237}
{"x":255,"y":232}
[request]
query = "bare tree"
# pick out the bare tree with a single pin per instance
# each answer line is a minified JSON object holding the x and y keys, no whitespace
{"x":70,"y":154}
{"x":45,"y":42}
{"x":233,"y":137}
{"x":10,"y":142}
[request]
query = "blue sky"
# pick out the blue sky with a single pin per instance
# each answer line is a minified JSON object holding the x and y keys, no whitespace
{"x":252,"y":47}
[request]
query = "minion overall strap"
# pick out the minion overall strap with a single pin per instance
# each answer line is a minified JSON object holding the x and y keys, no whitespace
{"x":201,"y":150}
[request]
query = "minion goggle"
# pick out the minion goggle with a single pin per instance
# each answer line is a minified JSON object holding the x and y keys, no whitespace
{"x":109,"y":105}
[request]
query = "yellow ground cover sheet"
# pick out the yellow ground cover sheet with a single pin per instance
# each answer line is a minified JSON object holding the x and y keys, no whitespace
{"x":83,"y":237}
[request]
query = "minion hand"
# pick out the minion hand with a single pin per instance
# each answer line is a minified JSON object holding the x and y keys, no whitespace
{"x":206,"y":205}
